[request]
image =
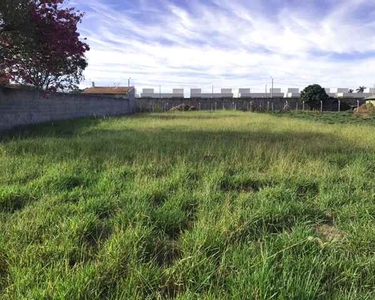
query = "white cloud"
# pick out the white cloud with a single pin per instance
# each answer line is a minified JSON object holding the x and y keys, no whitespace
{"x":229,"y":44}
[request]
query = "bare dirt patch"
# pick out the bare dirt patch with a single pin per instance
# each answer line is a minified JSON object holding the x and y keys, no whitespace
{"x":365,"y":111}
{"x":183,"y":107}
{"x":330,"y":233}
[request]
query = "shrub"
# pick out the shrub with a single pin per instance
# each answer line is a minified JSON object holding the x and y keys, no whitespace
{"x":313,"y":94}
{"x":183,"y":107}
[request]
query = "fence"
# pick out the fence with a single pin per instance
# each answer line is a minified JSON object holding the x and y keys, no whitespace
{"x":250,"y":104}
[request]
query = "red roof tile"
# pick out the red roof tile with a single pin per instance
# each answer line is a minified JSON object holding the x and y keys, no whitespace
{"x":120,"y":90}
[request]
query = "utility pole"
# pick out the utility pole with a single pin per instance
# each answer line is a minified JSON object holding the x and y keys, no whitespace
{"x":212,"y":94}
{"x":272,"y":88}
{"x":159,"y":91}
{"x":129,"y":81}
{"x":266,"y":91}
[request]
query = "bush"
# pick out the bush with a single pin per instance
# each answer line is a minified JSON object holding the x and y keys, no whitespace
{"x":365,"y":111}
{"x":183,"y":107}
{"x":313,"y":94}
{"x":345,"y":106}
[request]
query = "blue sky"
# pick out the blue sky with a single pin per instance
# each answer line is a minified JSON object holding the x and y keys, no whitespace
{"x":229,"y":43}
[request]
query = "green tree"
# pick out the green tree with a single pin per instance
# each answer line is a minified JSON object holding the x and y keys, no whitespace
{"x":313,"y":94}
{"x":15,"y":29}
{"x":40,"y":45}
{"x":361,"y":89}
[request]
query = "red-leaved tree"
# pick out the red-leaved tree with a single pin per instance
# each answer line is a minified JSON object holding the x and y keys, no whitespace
{"x":40,"y":45}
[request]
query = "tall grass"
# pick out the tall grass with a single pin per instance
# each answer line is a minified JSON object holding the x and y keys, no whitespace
{"x":224,"y":205}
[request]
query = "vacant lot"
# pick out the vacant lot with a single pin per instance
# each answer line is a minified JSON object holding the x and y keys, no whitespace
{"x":225,"y":205}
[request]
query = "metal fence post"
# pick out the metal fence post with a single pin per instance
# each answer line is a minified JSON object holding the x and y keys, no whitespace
{"x":321,"y":106}
{"x":303,"y":105}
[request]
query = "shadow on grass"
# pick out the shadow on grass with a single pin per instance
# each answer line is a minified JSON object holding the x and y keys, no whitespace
{"x":69,"y":128}
{"x":175,"y":143}
{"x":193,"y":115}
{"x":61,"y":129}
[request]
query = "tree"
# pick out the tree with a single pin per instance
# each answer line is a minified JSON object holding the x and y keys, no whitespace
{"x":350,"y":91}
{"x":313,"y":94}
{"x":40,"y":45}
{"x":361,"y":89}
{"x":4,"y":78}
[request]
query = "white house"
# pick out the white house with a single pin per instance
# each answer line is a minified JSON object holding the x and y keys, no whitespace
{"x":276,"y":93}
{"x":178,"y":93}
{"x":329,"y":93}
{"x":226,"y":93}
{"x":244,"y":93}
{"x":150,"y":93}
{"x":197,"y":93}
{"x":147,"y":93}
{"x":344,"y":93}
{"x":293,"y":93}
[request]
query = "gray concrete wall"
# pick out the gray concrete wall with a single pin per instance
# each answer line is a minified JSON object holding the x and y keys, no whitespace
{"x":253,"y":104}
{"x":24,"y":107}
{"x":147,"y":104}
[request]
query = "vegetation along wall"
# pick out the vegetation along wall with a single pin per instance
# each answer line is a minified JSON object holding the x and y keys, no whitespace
{"x":250,"y":104}
{"x":22,"y":107}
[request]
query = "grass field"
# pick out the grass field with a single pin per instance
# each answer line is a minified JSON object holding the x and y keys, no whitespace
{"x":224,"y":205}
{"x":345,"y":117}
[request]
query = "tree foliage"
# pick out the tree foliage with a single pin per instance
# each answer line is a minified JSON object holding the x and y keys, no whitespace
{"x":361,"y":89}
{"x":313,"y":94}
{"x":40,"y":44}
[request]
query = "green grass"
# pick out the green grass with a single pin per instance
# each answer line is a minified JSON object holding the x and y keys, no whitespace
{"x":345,"y":117}
{"x":224,"y":205}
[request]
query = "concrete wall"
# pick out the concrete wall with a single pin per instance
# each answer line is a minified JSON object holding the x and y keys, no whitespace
{"x":24,"y":107}
{"x":131,"y":97}
{"x":156,"y":105}
{"x":149,"y":105}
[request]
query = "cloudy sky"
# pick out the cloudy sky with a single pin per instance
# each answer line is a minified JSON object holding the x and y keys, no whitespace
{"x":230,"y":43}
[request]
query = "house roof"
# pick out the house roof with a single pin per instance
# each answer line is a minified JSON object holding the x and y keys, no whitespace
{"x":118,"y":90}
